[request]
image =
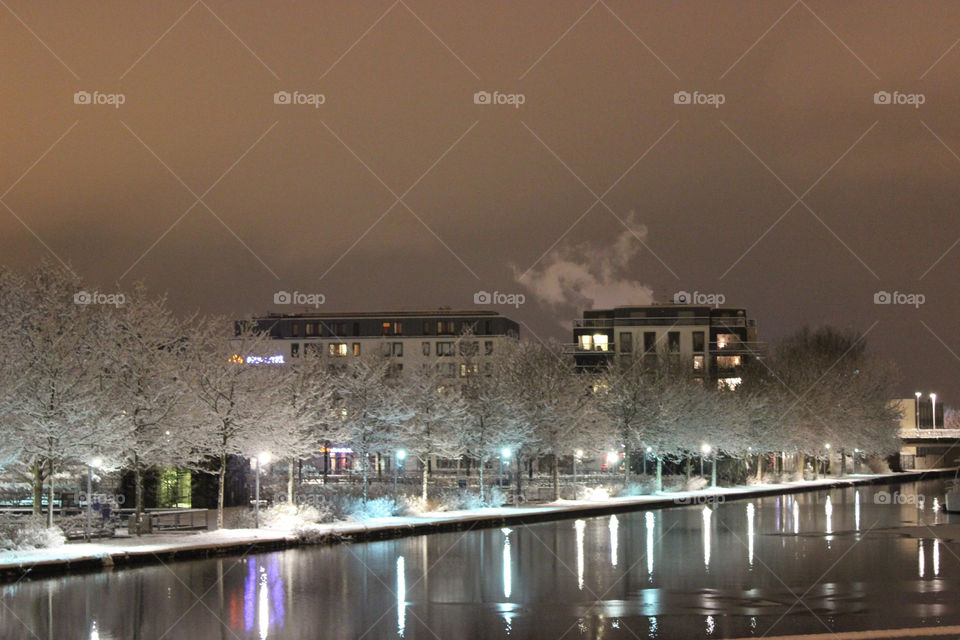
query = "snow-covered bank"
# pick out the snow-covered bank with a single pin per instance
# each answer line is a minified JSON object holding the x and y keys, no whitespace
{"x":175,"y":546}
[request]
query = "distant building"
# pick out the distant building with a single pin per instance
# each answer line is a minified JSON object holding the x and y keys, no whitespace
{"x":411,"y":339}
{"x":716,"y":343}
{"x":927,"y":444}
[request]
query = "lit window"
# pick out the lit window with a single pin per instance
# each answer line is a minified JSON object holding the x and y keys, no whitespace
{"x":728,"y":384}
{"x":727,"y":340}
{"x":337,"y":349}
{"x":311,"y":329}
{"x":728,"y":362}
{"x":385,"y":328}
{"x":469,"y":370}
{"x":586,"y":343}
{"x":601,"y":342}
{"x":698,"y":363}
{"x":397,"y":328}
{"x":356,"y":348}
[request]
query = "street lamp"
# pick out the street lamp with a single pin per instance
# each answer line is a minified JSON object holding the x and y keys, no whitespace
{"x":95,"y":463}
{"x":917,"y":404}
{"x":646,"y":454}
{"x":704,"y":451}
{"x":400,"y":456}
{"x":577,"y":456}
{"x":261,"y":459}
{"x":504,"y":454}
{"x":933,"y":409}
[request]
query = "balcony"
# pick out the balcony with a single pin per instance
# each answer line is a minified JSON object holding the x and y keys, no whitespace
{"x":930,"y":434}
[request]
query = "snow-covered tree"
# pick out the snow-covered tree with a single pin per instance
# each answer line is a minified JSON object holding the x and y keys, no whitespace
{"x":234,"y":392}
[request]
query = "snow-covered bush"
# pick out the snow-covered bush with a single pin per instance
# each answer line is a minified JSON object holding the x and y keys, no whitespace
{"x":290,"y":516}
{"x":28,"y":532}
{"x":382,"y":507}
{"x":878,"y":465}
{"x":633,"y":489}
{"x":596,"y":493}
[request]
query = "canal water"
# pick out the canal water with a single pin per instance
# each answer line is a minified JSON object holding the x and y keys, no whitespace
{"x":812,"y":563}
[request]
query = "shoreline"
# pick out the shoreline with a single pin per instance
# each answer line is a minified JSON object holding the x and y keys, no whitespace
{"x":161,"y":548}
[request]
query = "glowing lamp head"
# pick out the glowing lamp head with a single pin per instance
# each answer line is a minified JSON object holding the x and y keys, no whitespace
{"x":705,"y":449}
{"x":579,"y":453}
{"x":401,"y":455}
{"x":505,"y":453}
{"x":96,"y":463}
{"x":265,"y":457}
{"x":649,"y":449}
{"x":827,"y":446}
{"x":918,"y":394}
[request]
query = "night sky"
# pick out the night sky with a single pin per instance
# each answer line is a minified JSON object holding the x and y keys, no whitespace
{"x":798,"y":198}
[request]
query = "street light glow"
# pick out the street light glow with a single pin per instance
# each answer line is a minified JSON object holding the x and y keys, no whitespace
{"x":505,"y":452}
{"x":401,"y":454}
{"x":705,"y":449}
{"x":265,"y":457}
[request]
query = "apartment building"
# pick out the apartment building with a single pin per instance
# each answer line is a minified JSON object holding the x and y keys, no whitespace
{"x":411,"y":339}
{"x":715,"y":343}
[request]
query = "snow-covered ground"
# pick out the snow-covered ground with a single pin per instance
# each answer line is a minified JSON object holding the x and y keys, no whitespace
{"x":160,"y":546}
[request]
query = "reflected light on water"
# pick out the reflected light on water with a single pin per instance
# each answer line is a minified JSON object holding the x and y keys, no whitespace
{"x":711,"y":624}
{"x":920,"y":567}
{"x":652,"y":622}
{"x":796,"y":517}
{"x":936,"y":557}
{"x":614,"y":542}
{"x":750,"y":510}
{"x":507,"y":570}
{"x":401,"y":596}
{"x":706,"y":536}
{"x":828,"y":510}
{"x":856,"y":510}
{"x":94,"y":634}
{"x":579,"y":525}
{"x":648,"y":518}
{"x":263,"y":605}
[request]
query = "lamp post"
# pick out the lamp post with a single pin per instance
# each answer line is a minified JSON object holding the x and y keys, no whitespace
{"x":96,"y":462}
{"x":827,"y":447}
{"x":704,"y":451}
{"x":917,"y":405}
{"x":400,"y":456}
{"x":504,"y":453}
{"x":933,"y":409}
{"x":646,"y":454}
{"x":578,"y":454}
{"x":261,"y":459}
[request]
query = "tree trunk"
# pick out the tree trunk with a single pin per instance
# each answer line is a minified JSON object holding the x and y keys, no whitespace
{"x":800,"y":463}
{"x":480,"y":475}
{"x":220,"y":484}
{"x":556,"y":477}
{"x":37,"y":489}
{"x":759,"y":467}
{"x":50,"y":497}
{"x":137,"y":494}
{"x":424,"y":478}
{"x":626,"y":466}
{"x":843,"y":462}
{"x":364,"y":463}
{"x":519,"y":478}
{"x":689,"y":468}
{"x":290,"y":481}
{"x":659,"y":474}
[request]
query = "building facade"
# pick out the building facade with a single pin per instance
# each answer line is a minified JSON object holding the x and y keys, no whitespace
{"x":411,"y":339}
{"x":716,"y":343}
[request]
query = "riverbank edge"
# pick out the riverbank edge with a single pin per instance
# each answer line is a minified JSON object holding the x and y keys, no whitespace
{"x":359,"y":532}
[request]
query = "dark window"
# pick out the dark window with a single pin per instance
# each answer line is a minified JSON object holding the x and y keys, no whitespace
{"x":626,"y":342}
{"x":426,"y":348}
{"x":356,"y":328}
{"x":486,"y":327}
{"x":398,"y":349}
{"x":649,"y":341}
{"x":698,"y":342}
{"x":311,"y":329}
{"x":444,"y":348}
{"x":295,"y":329}
{"x":488,"y":347}
{"x":426,"y":327}
{"x":312,"y":348}
{"x":673,"y":341}
{"x":295,"y":349}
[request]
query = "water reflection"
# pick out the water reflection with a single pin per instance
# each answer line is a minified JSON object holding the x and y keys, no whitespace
{"x":263,"y":598}
{"x":648,"y":518}
{"x":706,"y":537}
{"x":920,"y":564}
{"x":614,"y":526}
{"x":856,"y":510}
{"x":796,"y":517}
{"x":936,"y":557}
{"x":710,"y":625}
{"x":579,"y":525}
{"x":507,"y":570}
{"x":828,"y":510}
{"x":401,"y":596}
